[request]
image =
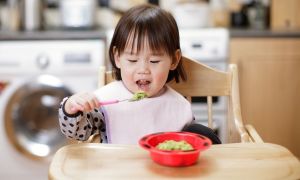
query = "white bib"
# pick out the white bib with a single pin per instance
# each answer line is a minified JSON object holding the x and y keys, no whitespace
{"x":127,"y":122}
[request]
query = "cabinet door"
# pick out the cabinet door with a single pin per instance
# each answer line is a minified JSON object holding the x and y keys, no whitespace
{"x":285,"y":14}
{"x":269,"y":74}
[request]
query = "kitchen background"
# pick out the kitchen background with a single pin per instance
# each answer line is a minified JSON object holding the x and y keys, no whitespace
{"x":50,"y":49}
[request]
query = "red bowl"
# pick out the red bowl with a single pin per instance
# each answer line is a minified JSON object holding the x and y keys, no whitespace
{"x":175,"y":157}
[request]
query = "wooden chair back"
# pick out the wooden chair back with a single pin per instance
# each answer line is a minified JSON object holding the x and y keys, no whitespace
{"x":208,"y":82}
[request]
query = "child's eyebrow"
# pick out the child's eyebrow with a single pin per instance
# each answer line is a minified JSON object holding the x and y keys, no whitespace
{"x":152,"y":54}
{"x":157,"y":54}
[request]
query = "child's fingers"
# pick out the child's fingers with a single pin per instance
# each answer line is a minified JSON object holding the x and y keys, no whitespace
{"x":91,"y":101}
{"x":84,"y":101}
{"x":96,"y":101}
{"x":75,"y":107}
{"x":84,"y":104}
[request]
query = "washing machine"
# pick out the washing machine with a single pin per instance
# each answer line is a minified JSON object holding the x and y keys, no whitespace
{"x":37,"y":75}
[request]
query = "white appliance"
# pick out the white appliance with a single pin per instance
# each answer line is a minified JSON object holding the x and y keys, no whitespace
{"x":209,"y":46}
{"x":38,"y":74}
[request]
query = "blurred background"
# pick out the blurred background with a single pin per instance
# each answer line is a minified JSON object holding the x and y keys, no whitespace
{"x":89,"y":14}
{"x":50,"y":49}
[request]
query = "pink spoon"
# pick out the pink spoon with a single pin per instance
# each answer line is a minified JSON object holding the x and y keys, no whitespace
{"x":112,"y":101}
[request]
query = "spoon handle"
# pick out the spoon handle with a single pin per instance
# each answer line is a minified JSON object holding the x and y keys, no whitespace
{"x":109,"y":102}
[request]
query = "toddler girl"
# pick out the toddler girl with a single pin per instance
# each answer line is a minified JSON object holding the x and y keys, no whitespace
{"x":145,"y":55}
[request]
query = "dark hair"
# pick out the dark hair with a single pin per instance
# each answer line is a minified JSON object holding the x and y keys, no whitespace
{"x":152,"y":23}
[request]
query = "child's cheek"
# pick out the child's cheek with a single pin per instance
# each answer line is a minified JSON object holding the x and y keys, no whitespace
{"x":162,"y":76}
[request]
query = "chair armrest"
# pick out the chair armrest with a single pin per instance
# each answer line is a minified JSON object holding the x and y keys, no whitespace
{"x":253,"y":134}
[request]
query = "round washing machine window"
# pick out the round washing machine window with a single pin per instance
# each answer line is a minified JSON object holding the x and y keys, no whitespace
{"x":31,"y":116}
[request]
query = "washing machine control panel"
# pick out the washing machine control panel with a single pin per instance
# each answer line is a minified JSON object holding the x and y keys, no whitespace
{"x":57,"y":57}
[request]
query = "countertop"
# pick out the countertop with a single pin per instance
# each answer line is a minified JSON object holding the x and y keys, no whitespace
{"x":52,"y":35}
{"x":100,"y":33}
{"x":264,"y":33}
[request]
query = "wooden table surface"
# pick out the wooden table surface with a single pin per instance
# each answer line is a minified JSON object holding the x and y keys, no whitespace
{"x":226,"y":161}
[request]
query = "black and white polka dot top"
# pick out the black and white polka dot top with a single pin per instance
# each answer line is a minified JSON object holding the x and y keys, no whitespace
{"x":82,"y":125}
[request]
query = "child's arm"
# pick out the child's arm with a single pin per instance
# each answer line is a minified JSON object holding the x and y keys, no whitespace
{"x":81,"y":125}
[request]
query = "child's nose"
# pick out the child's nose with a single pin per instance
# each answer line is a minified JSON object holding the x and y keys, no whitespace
{"x":144,"y":68}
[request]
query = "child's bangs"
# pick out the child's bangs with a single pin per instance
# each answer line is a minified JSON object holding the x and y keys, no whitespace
{"x":155,"y":40}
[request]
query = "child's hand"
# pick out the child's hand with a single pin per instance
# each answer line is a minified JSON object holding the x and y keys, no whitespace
{"x":84,"y":101}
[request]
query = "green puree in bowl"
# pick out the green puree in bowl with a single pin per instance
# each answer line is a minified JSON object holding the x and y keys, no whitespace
{"x":170,"y":145}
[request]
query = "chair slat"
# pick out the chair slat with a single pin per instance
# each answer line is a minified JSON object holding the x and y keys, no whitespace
{"x":101,"y":76}
{"x":209,"y":111}
{"x":108,"y":77}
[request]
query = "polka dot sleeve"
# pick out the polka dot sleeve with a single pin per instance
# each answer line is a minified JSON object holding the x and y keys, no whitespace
{"x":81,"y":126}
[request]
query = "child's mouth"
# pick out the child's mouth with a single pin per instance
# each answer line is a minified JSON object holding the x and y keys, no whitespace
{"x":143,"y":84}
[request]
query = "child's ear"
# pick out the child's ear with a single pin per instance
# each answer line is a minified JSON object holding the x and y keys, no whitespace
{"x":176,"y":60}
{"x":116,"y":57}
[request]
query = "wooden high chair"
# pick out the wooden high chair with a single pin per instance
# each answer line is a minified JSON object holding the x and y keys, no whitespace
{"x":203,"y":80}
{"x":206,"y":81}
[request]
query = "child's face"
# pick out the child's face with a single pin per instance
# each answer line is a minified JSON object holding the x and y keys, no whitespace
{"x":145,"y":71}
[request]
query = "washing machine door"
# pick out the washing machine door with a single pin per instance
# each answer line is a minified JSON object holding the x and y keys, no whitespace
{"x":31,"y":116}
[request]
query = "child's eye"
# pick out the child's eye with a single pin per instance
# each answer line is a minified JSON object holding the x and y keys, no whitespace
{"x":132,"y":60}
{"x":155,"y":61}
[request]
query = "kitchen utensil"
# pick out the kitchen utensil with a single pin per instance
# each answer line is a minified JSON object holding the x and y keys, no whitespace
{"x":175,"y":158}
{"x":136,"y":97}
{"x":114,"y":101}
{"x":108,"y":102}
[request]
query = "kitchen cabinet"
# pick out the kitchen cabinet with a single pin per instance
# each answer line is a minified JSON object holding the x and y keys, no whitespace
{"x":269,"y":75}
{"x":285,"y":14}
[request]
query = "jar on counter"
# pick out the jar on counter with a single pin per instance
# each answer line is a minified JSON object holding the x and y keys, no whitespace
{"x":11,"y":16}
{"x":77,"y":13}
{"x":219,"y":13}
{"x":32,"y":11}
{"x":258,"y":15}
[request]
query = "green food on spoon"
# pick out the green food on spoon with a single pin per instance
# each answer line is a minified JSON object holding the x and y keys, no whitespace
{"x":138,"y":96}
{"x":170,"y":145}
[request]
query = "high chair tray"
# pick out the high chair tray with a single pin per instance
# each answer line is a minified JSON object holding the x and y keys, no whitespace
{"x":226,"y":161}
